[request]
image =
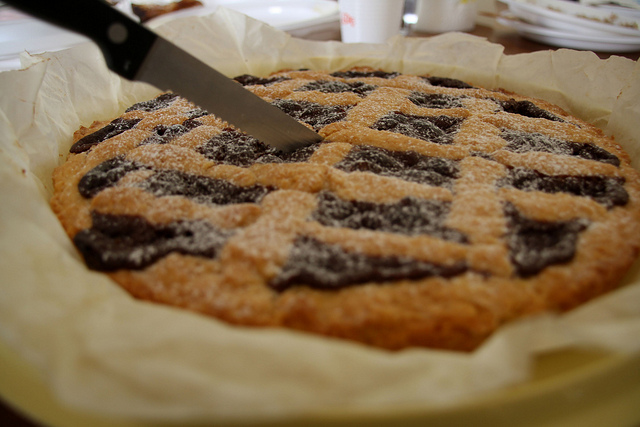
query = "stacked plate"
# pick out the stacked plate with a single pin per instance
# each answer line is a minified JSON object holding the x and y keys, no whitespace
{"x":573,"y":25}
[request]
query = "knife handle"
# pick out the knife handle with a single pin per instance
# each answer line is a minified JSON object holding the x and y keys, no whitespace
{"x":124,"y":42}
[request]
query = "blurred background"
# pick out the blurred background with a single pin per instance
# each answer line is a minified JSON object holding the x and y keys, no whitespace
{"x":603,"y":26}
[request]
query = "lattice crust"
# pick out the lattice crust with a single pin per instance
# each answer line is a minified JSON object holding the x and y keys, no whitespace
{"x":432,"y":213}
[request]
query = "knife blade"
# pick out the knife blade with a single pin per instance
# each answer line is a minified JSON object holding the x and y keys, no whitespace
{"x":137,"y":53}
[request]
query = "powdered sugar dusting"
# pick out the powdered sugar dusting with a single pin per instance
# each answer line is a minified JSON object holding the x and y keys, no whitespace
{"x":189,"y":154}
{"x":130,"y":242}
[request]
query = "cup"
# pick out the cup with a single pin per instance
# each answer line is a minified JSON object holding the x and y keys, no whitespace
{"x":439,"y":16}
{"x":370,"y":21}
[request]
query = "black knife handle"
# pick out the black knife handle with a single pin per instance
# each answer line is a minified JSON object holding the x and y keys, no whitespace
{"x":124,"y":42}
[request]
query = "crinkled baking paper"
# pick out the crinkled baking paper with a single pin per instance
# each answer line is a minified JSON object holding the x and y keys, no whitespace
{"x":101,"y":351}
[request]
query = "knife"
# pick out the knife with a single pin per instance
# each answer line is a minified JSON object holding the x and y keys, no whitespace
{"x":137,"y":53}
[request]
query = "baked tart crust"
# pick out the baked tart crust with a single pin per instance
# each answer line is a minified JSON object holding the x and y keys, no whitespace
{"x":432,"y":213}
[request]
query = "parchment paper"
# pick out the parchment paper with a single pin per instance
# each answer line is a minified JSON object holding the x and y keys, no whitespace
{"x":104,"y":352}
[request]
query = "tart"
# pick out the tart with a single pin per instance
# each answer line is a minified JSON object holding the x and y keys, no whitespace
{"x":432,"y":213}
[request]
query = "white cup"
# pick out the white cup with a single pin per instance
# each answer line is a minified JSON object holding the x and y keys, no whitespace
{"x":370,"y":21}
{"x":439,"y":16}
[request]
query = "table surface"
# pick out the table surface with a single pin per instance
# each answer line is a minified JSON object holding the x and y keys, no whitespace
{"x":513,"y":44}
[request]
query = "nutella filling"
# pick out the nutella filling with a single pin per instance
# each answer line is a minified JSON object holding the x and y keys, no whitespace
{"x":435,"y":100}
{"x":119,"y":125}
{"x":249,"y":80}
{"x":232,"y":147}
{"x":200,"y":189}
{"x":351,"y":74}
{"x":314,"y":114}
{"x":406,"y":165}
{"x":359,"y":88}
{"x":130,"y":242}
{"x":522,"y":142}
{"x":437,"y":129}
{"x":329,"y":267}
{"x":527,"y":109}
{"x":114,"y":128}
{"x":162,"y":101}
{"x":410,"y":216}
{"x":536,"y":245}
{"x":608,"y":191}
{"x":105,"y":175}
{"x":447,"y":82}
{"x":163,"y":134}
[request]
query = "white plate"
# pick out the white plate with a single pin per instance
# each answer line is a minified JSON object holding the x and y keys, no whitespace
{"x":20,"y":33}
{"x":571,"y":40}
{"x":302,"y":18}
{"x":570,"y":16}
{"x":286,"y":15}
{"x":620,"y":10}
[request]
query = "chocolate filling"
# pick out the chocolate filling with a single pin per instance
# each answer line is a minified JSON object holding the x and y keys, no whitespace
{"x":329,"y":267}
{"x":238,"y":149}
{"x":202,"y":189}
{"x":608,"y":191}
{"x":314,"y":114}
{"x":522,"y":142}
{"x":249,"y":80}
{"x":351,"y":74}
{"x":437,"y":129}
{"x":527,"y":109}
{"x":105,"y":175}
{"x":194,"y":114}
{"x":447,"y":82}
{"x":536,"y":245}
{"x":359,"y":88}
{"x":162,"y":101}
{"x":120,"y":125}
{"x":410,"y":216}
{"x":130,"y":242}
{"x":114,"y":128}
{"x":163,"y":134}
{"x":435,"y":100}
{"x":407,"y":165}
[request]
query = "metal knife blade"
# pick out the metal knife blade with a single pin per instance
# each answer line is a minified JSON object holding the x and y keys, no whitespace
{"x":137,"y":53}
{"x":167,"y":66}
